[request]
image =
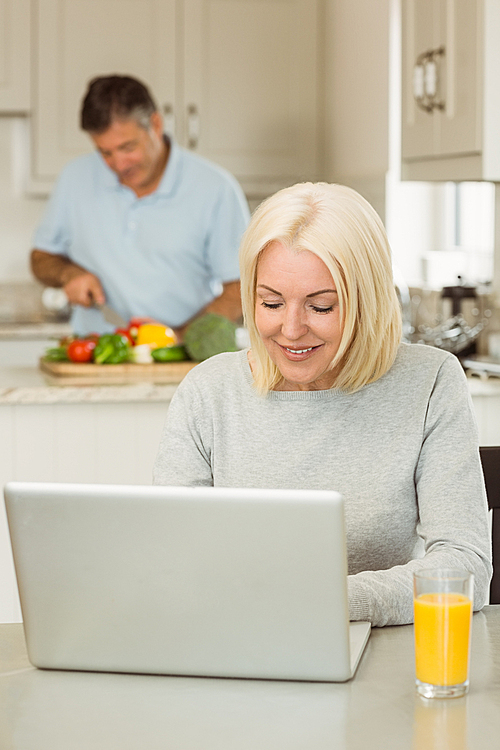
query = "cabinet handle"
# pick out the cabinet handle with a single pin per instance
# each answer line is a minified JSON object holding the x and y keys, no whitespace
{"x":169,"y":119}
{"x":193,"y":126}
{"x":426,"y":80}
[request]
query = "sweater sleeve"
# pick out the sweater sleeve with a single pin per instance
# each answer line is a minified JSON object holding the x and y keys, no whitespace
{"x":183,"y":457}
{"x":452,"y":508}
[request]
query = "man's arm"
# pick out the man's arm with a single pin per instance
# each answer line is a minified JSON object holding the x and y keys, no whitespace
{"x":227,"y":304}
{"x":81,"y":286}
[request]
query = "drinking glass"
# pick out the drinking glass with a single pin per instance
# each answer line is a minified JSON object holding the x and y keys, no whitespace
{"x":442,"y":601}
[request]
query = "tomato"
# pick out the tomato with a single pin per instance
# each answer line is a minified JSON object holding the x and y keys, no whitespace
{"x":81,"y":350}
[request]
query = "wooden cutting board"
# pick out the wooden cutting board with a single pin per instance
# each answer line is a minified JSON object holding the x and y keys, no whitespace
{"x":88,"y":373}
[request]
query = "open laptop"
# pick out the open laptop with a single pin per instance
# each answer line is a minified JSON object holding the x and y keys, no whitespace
{"x":184,"y":581}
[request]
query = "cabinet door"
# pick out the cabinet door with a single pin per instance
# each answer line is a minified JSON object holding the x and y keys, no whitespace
{"x":14,"y":56}
{"x":455,"y":26}
{"x":460,"y":121}
{"x":250,"y":86}
{"x":80,"y":39}
{"x":420,"y":32}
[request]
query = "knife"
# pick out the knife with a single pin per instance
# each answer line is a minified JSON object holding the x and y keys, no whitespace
{"x":111,"y":316}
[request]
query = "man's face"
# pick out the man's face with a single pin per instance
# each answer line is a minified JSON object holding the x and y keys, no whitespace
{"x":133,"y":153}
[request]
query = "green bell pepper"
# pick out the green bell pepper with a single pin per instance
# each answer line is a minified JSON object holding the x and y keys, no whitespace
{"x":111,"y":349}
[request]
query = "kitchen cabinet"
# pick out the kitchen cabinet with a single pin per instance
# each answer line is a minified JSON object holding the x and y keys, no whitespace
{"x":236,"y":80}
{"x":15,"y":56}
{"x":250,"y":80}
{"x":450,"y":94}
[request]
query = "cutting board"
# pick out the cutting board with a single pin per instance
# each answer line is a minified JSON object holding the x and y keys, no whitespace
{"x":88,"y":373}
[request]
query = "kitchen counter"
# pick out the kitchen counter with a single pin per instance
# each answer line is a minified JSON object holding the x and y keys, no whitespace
{"x":479,"y":386}
{"x":34,"y":331}
{"x":28,"y":385}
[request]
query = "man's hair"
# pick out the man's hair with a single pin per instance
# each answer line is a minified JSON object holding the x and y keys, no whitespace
{"x":111,"y":98}
{"x":339,"y":226}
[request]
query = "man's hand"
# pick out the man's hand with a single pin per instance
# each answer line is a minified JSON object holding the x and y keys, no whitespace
{"x":81,"y":286}
{"x":85,"y":289}
{"x":228,"y":303}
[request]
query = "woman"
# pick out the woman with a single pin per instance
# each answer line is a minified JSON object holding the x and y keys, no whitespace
{"x":328,"y":397}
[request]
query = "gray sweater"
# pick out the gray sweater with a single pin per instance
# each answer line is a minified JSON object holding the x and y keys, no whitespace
{"x":402,"y":451}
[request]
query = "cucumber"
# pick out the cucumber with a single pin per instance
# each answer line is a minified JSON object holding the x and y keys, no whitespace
{"x":174,"y":353}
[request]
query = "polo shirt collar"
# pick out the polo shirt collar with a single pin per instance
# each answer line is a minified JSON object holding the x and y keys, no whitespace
{"x":172,"y":170}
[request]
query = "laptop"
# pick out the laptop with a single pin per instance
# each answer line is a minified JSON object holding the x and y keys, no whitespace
{"x":200,"y":581}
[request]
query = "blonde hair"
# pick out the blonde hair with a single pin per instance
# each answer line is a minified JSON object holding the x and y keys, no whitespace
{"x":339,"y":226}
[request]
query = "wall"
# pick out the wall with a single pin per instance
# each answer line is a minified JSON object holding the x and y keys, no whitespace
{"x":19,"y":214}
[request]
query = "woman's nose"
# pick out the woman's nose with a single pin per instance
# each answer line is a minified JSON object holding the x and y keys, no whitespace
{"x":293,"y":325}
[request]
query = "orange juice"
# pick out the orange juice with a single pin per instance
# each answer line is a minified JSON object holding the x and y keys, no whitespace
{"x":442,"y":628}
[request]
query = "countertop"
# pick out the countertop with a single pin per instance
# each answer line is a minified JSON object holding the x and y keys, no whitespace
{"x":28,"y":385}
{"x":34,"y":331}
{"x":378,"y":709}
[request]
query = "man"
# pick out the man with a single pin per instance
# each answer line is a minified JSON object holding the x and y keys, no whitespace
{"x":141,"y":224}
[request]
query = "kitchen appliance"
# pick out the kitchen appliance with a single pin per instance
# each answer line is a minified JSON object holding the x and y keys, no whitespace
{"x":455,"y":334}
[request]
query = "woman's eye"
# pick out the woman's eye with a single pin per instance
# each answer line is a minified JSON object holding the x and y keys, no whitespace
{"x":322,"y":309}
{"x":271,"y":305}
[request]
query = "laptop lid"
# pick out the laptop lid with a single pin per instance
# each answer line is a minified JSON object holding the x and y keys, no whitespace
{"x":178,"y":580}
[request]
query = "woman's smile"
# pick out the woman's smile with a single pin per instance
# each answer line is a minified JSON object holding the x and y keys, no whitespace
{"x":296,"y":354}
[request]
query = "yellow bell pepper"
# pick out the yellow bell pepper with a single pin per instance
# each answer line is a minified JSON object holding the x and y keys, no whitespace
{"x":155,"y":335}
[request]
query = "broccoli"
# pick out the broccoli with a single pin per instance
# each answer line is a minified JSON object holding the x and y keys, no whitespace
{"x":208,"y":335}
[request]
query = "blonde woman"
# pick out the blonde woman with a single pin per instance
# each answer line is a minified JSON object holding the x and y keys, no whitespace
{"x":327,"y":397}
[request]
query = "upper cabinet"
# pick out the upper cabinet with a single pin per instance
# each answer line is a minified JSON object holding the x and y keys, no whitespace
{"x":450,"y":92}
{"x":250,"y":81}
{"x":236,"y":80}
{"x":15,"y":55}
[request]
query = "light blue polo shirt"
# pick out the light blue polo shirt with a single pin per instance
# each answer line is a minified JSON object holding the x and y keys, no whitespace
{"x":163,"y":255}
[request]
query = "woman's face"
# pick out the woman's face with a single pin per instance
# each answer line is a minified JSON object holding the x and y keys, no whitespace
{"x":297,"y":316}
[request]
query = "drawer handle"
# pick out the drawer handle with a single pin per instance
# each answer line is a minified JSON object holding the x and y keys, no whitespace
{"x":193,"y":126}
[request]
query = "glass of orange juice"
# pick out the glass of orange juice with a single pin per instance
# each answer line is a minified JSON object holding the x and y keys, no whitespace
{"x":442,"y":604}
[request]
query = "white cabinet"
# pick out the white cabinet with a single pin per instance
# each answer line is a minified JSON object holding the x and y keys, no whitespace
{"x":236,"y":80}
{"x":15,"y":56}
{"x":450,"y":93}
{"x":250,"y":79}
